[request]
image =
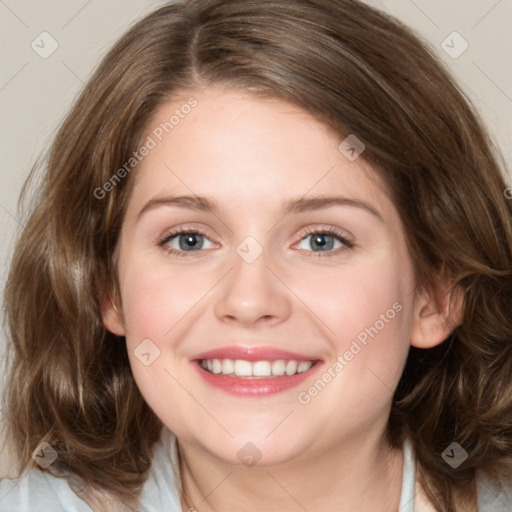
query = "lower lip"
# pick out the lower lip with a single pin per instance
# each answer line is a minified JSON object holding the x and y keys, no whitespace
{"x":254,"y":387}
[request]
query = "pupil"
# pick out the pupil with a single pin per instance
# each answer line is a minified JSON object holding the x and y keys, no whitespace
{"x":188,"y":241}
{"x":320,"y":241}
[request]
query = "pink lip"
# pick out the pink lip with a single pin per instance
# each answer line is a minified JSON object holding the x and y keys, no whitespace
{"x":253,"y":354}
{"x":253,"y":387}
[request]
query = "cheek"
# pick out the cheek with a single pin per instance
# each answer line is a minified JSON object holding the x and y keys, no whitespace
{"x":156,"y":299}
{"x":367,"y":318}
{"x":157,"y":304}
{"x":352,"y":299}
{"x":370,"y":346}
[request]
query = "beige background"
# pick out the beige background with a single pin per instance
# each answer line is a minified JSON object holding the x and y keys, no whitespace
{"x":35,"y":92}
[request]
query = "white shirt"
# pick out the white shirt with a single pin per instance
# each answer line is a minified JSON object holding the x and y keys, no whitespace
{"x":38,"y":491}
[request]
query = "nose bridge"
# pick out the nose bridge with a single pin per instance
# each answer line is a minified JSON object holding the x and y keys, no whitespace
{"x":251,"y":291}
{"x":250,"y":265}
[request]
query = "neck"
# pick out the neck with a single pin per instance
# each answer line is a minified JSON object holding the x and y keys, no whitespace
{"x":365,"y":474}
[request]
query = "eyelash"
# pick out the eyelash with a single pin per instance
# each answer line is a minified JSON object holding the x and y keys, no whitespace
{"x":347,"y":244}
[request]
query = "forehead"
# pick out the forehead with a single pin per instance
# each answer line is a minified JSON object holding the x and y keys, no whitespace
{"x":247,"y":150}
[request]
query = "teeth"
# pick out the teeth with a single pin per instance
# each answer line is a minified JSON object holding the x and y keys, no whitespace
{"x":259,"y":369}
{"x":278,"y":368}
{"x":291,"y":367}
{"x":303,"y":367}
{"x":242,"y":368}
{"x":217,"y":366}
{"x":227,"y":366}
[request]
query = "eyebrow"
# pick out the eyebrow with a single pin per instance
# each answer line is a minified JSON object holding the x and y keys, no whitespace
{"x":205,"y":204}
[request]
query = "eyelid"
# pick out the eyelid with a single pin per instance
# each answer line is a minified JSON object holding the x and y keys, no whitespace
{"x":171,"y":233}
{"x":326,"y":228}
{"x":343,"y":236}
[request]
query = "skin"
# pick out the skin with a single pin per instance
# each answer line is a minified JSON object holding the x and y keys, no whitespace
{"x":252,"y":155}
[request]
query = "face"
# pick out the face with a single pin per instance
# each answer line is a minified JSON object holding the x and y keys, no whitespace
{"x":265,"y":284}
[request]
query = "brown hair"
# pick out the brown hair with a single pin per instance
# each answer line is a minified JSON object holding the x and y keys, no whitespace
{"x":359,"y":71}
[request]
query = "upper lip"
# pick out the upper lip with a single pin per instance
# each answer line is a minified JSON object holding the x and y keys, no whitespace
{"x":253,"y":354}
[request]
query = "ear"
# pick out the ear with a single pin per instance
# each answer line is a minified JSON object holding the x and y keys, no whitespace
{"x":431,"y":326}
{"x":112,"y":316}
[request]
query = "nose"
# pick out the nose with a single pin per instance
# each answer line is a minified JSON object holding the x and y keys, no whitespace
{"x":252,"y":294}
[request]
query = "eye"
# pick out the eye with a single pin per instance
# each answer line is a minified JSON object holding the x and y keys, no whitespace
{"x":185,"y":240}
{"x":324,"y":240}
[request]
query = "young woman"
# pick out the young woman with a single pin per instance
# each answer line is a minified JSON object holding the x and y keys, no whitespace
{"x":269,"y":268}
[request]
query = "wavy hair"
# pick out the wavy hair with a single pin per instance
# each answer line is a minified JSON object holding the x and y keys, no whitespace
{"x":357,"y":70}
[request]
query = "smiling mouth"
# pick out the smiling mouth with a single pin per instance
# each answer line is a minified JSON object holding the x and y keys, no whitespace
{"x":242,"y":369}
